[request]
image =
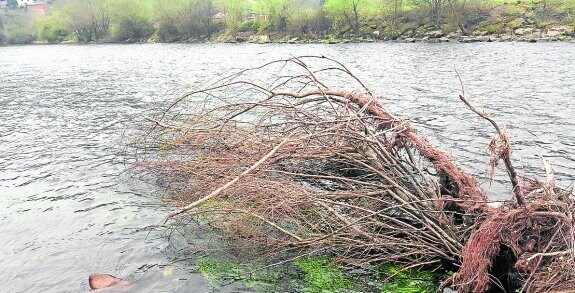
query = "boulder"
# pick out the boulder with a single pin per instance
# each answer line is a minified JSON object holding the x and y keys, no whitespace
{"x":260,"y":39}
{"x":473,"y":39}
{"x":293,"y":40}
{"x":545,"y":39}
{"x":453,"y":35}
{"x":555,"y":31}
{"x":552,"y":33}
{"x":434,"y":34}
{"x":243,"y":36}
{"x":523,"y":31}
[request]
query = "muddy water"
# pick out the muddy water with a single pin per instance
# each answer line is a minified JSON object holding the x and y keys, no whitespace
{"x":68,"y":208}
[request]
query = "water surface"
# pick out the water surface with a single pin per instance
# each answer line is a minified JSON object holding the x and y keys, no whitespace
{"x":68,"y":208}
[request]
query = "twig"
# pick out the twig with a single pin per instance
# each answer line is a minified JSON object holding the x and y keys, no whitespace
{"x":231,"y":182}
{"x":160,"y":123}
{"x":504,"y":137}
{"x":550,"y":180}
{"x":556,"y":253}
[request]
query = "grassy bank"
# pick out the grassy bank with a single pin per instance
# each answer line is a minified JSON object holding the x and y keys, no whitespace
{"x":289,"y":21}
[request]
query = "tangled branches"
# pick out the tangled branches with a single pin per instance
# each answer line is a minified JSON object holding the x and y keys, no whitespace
{"x":288,"y":163}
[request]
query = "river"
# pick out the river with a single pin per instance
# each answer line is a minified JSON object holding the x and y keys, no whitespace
{"x":68,"y":206}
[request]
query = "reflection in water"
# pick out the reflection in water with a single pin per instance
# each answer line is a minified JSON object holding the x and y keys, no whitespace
{"x":68,"y":210}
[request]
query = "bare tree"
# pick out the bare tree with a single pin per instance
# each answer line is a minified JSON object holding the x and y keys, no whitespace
{"x":90,"y":19}
{"x":435,"y":11}
{"x":349,"y":11}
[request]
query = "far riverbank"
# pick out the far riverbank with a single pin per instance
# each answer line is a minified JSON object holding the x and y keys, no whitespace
{"x":130,"y":22}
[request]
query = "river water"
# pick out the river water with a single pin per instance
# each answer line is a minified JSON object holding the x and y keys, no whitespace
{"x":68,"y":207}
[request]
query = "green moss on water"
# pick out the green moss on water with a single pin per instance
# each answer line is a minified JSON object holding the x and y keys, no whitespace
{"x":319,"y":275}
{"x":401,"y":280}
{"x":218,"y":271}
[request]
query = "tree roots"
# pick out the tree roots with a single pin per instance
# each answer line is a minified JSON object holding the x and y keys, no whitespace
{"x":276,"y":158}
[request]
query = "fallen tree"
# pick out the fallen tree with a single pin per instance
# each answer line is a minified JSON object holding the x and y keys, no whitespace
{"x":279,"y":160}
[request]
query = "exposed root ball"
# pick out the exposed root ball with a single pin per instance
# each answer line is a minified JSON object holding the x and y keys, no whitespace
{"x":292,"y":164}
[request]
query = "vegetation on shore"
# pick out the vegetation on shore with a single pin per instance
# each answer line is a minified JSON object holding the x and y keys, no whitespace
{"x":289,"y":21}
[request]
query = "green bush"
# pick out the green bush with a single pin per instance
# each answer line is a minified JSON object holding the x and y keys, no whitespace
{"x":53,"y":28}
{"x":18,"y":34}
{"x":515,"y":23}
{"x":134,"y":30}
{"x":168,"y":32}
{"x":493,"y":28}
{"x":513,"y":10}
{"x":567,"y":7}
{"x":131,"y":21}
{"x":309,"y":22}
{"x":252,"y":25}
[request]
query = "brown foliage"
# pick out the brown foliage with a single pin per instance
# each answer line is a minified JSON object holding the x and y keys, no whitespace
{"x":289,"y":163}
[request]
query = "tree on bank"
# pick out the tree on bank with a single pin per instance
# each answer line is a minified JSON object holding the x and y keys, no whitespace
{"x":185,"y":19}
{"x":234,"y":11}
{"x":310,"y":22}
{"x":89,"y":19}
{"x":54,"y":27}
{"x":346,"y":13}
{"x":278,"y":12}
{"x":393,"y":9}
{"x":130,"y":21}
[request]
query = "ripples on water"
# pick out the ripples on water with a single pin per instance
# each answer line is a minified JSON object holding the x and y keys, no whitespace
{"x":67,"y":210}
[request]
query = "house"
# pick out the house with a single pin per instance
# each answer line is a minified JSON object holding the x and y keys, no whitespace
{"x":219,"y":16}
{"x":252,"y":15}
{"x":24,"y":3}
{"x":36,"y":9}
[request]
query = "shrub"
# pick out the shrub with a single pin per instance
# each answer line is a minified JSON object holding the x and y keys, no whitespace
{"x":131,"y":21}
{"x":168,"y":32}
{"x":513,"y":10}
{"x":53,"y":28}
{"x":252,"y":25}
{"x":310,"y":22}
{"x":515,"y":23}
{"x":493,"y":28}
{"x":135,"y":30}
{"x":17,"y":34}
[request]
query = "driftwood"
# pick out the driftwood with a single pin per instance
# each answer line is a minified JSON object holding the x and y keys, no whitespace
{"x":289,"y":163}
